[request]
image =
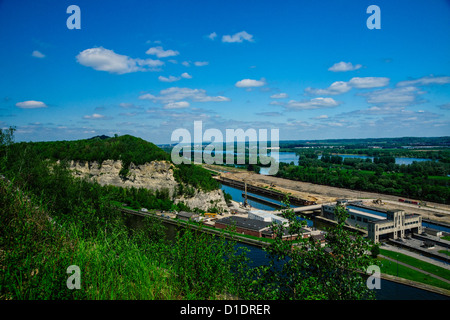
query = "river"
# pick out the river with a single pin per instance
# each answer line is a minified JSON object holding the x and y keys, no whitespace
{"x":288,"y":157}
{"x":389,"y":290}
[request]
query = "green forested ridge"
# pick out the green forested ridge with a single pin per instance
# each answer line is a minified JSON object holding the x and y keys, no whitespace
{"x":126,"y":148}
{"x":410,"y":142}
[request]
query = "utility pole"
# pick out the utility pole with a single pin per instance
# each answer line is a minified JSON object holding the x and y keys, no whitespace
{"x":245,"y":199}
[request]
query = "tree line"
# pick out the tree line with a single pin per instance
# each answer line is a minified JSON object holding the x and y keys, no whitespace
{"x":425,"y":180}
{"x":126,"y":148}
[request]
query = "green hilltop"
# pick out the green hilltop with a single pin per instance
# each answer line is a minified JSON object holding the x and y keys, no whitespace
{"x":127,"y":148}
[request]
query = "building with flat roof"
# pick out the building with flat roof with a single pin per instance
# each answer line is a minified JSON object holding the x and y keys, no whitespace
{"x":253,"y":227}
{"x":185,"y":216}
{"x":394,"y":225}
{"x":267,"y":217}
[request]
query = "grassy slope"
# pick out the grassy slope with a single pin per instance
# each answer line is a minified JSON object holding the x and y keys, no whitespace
{"x":35,"y":254}
{"x":390,"y":267}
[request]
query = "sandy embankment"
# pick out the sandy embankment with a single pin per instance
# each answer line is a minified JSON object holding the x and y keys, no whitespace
{"x":323,"y":194}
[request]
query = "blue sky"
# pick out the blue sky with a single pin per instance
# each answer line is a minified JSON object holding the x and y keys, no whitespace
{"x":312,"y":69}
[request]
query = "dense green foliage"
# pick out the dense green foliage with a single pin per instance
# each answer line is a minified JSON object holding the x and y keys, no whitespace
{"x":116,"y":262}
{"x":306,"y":270}
{"x":408,"y":142}
{"x":196,"y":176}
{"x":126,"y":148}
{"x":425,"y":180}
{"x":50,"y":220}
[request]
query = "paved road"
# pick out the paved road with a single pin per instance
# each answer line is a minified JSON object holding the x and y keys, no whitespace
{"x":415,"y":206}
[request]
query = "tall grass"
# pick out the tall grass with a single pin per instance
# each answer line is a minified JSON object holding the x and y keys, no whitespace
{"x":35,"y":254}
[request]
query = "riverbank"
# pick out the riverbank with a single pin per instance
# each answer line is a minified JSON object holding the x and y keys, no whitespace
{"x":409,"y":271}
{"x":324,"y":194}
{"x":170,"y":218}
{"x":415,"y":270}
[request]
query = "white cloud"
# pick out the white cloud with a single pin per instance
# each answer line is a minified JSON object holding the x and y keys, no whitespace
{"x":161,"y":53}
{"x":238,"y":37}
{"x":102,"y":59}
{"x":94,"y":116}
{"x":430,"y":80}
{"x":184,"y":75}
{"x":177,"y":105}
{"x":31,"y":104}
{"x":394,"y":97}
{"x":201,"y":63}
{"x":128,"y":114}
{"x":344,"y":66}
{"x":186,"y":63}
{"x":149,"y":62}
{"x":339,"y":87}
{"x":279,"y":96}
{"x":316,"y":103}
{"x":168,"y":79}
{"x":323,"y":116}
{"x":177,"y":94}
{"x":147,"y":96}
{"x":212,"y":35}
{"x":250,"y":83}
{"x":38,"y":54}
{"x":126,"y":105}
{"x":368,"y":82}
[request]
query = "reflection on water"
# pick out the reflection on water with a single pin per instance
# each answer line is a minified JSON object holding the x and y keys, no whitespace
{"x":288,"y":157}
{"x":389,"y":290}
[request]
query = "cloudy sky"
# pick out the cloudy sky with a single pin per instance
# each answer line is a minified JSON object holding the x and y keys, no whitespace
{"x":312,"y":69}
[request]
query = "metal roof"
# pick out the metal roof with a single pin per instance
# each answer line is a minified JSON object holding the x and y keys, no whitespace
{"x":246,"y":223}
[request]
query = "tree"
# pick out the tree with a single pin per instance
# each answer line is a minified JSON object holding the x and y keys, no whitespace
{"x":375,"y":250}
{"x":303,"y":269}
{"x":6,"y":139}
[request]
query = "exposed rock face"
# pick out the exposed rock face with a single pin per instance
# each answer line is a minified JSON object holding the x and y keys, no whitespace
{"x":205,"y":200}
{"x":156,"y":175}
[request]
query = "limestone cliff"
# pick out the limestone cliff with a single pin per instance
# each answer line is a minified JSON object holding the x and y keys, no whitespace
{"x":156,"y":175}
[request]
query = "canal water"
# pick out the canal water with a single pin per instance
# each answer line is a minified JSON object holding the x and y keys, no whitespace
{"x":389,"y":290}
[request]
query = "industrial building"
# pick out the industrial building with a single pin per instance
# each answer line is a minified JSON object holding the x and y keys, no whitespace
{"x":267,"y":217}
{"x":254,"y":227}
{"x":396,"y":225}
{"x":379,"y":225}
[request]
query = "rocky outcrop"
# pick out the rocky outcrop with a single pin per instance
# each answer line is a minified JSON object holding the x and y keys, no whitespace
{"x":205,"y":200}
{"x":156,"y":175}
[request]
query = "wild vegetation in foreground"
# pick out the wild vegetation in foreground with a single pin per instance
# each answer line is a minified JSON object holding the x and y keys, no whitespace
{"x":51,"y":220}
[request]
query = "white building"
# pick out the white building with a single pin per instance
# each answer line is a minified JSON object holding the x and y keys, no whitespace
{"x":394,"y":226}
{"x":266,"y":216}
